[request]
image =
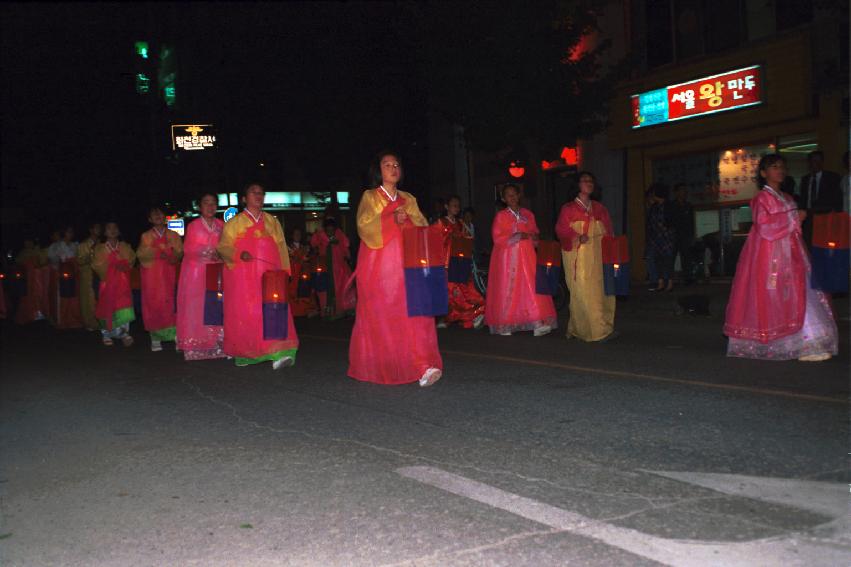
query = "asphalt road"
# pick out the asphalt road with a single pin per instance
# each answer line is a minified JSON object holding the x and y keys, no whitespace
{"x":653,"y":449}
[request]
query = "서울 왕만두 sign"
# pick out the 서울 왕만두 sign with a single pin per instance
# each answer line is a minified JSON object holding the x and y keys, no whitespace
{"x":192,"y":137}
{"x":716,"y":93}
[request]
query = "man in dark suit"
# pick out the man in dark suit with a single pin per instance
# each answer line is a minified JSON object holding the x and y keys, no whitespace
{"x":819,"y":192}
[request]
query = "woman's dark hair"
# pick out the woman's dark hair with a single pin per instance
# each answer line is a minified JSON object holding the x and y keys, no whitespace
{"x":451,"y":197}
{"x":375,"y":167}
{"x":203,"y":194}
{"x":660,"y":190}
{"x":509,"y":186}
{"x":574,"y":190}
{"x":470,"y":210}
{"x":767,"y":161}
{"x":329,"y":222}
{"x":249,"y":185}
{"x":153,"y":208}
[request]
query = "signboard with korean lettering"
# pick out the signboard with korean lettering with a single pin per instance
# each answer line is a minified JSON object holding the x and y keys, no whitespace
{"x":726,"y":91}
{"x":193,"y":137}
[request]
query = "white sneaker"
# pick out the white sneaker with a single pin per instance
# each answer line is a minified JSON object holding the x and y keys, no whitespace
{"x":283,"y":363}
{"x":156,"y":346}
{"x":505,"y":334}
{"x":821,"y":357}
{"x":478,"y":322}
{"x":107,"y":341}
{"x":542,"y":330}
{"x":431,"y":376}
{"x":441,"y":325}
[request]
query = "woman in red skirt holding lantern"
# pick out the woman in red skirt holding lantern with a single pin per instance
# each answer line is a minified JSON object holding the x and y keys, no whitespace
{"x":257,"y":320}
{"x":388,"y":346}
{"x":466,"y":304}
{"x":514,"y":303}
{"x":198,"y":335}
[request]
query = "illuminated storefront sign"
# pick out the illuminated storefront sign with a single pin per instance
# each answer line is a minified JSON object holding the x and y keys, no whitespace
{"x":717,"y":93}
{"x":193,"y":137}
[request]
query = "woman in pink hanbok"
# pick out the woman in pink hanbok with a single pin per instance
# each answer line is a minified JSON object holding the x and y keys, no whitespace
{"x":159,"y":252}
{"x":773,"y":312}
{"x":512,"y":302}
{"x":252,"y":244}
{"x":332,"y":248}
{"x":197,"y":340}
{"x":388,"y":346}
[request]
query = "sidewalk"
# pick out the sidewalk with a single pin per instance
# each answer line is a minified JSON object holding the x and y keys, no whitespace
{"x":716,"y":292}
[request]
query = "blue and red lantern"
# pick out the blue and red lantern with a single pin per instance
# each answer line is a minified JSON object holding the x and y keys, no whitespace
{"x":275,"y":307}
{"x":425,"y":272}
{"x":214,"y":314}
{"x":615,"y":265}
{"x":460,"y":259}
{"x":548,"y":269}
{"x":321,"y":278}
{"x":830,"y":252}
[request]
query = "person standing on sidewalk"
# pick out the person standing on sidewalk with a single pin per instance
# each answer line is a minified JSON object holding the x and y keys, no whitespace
{"x":681,"y":216}
{"x":773,"y":312}
{"x":582,"y":224}
{"x":159,"y":252}
{"x":660,"y":237}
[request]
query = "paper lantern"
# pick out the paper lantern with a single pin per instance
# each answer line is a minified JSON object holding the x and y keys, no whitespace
{"x":615,"y":265}
{"x":214,"y":296}
{"x":548,"y":270}
{"x":460,"y":259}
{"x":68,"y":279}
{"x":830,"y":253}
{"x":425,"y":272}
{"x":275,"y":307}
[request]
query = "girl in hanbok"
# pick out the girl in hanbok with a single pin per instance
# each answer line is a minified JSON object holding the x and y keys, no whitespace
{"x":388,"y":346}
{"x":31,"y":305}
{"x":774,"y":313}
{"x":332,"y":247}
{"x":581,"y":226}
{"x":88,"y":279}
{"x":64,"y":281}
{"x":513,"y":303}
{"x":197,"y":340}
{"x":466,"y":304}
{"x":252,"y":244}
{"x":160,"y":250}
{"x":301,"y":295}
{"x":112,"y":261}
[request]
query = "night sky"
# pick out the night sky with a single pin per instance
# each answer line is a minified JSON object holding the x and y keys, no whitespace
{"x":312,"y":90}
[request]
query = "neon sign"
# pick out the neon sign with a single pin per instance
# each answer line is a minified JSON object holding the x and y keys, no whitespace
{"x":192,"y":137}
{"x":717,"y":93}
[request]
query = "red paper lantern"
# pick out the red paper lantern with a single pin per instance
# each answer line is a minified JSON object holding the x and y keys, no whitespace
{"x":423,"y":246}
{"x":214,"y":277}
{"x":461,"y":247}
{"x":275,"y":286}
{"x":549,"y":253}
{"x":615,"y":250}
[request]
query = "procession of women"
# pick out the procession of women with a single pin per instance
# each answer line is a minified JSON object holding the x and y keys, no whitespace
{"x":233,"y":290}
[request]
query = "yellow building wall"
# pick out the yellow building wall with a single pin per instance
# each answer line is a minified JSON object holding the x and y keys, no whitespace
{"x":787,"y":109}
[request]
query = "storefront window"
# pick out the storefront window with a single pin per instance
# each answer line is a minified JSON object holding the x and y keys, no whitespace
{"x":795,"y":150}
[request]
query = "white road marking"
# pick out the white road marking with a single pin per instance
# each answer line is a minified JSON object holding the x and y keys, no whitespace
{"x":795,"y":549}
{"x":827,"y":498}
